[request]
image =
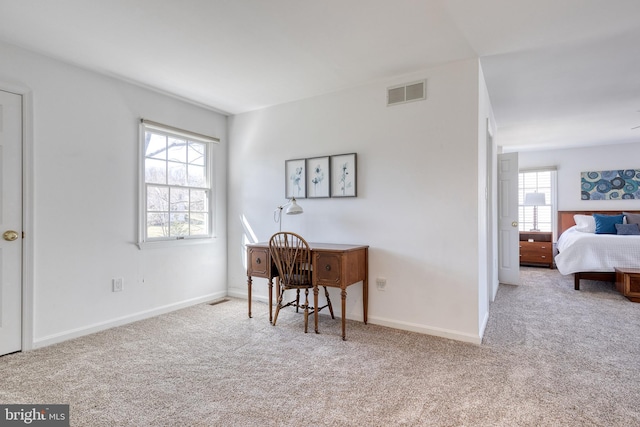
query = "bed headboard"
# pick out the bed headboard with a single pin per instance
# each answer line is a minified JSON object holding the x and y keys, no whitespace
{"x":565,"y":218}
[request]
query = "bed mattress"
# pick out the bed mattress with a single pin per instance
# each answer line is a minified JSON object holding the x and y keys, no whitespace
{"x":579,"y":251}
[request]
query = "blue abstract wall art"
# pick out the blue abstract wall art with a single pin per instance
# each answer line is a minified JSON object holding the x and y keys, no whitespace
{"x":610,"y":185}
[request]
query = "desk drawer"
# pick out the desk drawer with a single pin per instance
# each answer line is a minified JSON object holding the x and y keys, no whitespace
{"x":328,"y":268}
{"x":258,"y":262}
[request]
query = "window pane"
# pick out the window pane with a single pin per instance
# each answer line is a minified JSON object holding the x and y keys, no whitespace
{"x":197,"y":153}
{"x":529,"y":180}
{"x":177,"y":150}
{"x":199,"y":224}
{"x":157,"y":198}
{"x":199,"y":201}
{"x":179,"y":199}
{"x":156,"y":146}
{"x":157,"y":225}
{"x":540,"y":182}
{"x":197,"y":177}
{"x":155,"y":171}
{"x":179,"y":224}
{"x":177,"y":174}
{"x":544,"y":179}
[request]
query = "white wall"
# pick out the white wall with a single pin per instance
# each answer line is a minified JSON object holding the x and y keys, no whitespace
{"x":85,"y":178}
{"x":418,"y":195}
{"x":572,"y":161}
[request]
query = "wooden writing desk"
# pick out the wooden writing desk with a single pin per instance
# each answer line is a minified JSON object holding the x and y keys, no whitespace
{"x":334,"y":265}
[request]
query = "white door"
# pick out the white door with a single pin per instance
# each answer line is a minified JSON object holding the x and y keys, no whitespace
{"x":509,"y":237}
{"x":10,"y":222}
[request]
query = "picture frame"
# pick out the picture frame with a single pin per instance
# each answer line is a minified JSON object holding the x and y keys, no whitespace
{"x":344,"y":175}
{"x":318,"y":177}
{"x":295,"y":179}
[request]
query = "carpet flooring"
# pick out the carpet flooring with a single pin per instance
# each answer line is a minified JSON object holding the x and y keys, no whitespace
{"x":551,"y":356}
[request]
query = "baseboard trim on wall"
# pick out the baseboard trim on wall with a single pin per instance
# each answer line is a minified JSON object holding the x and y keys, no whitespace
{"x":97,"y":327}
{"x":242,"y":294}
{"x":428,"y":330}
{"x":405,"y":326}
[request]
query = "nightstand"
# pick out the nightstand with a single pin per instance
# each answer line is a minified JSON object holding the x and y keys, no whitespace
{"x":536,"y":248}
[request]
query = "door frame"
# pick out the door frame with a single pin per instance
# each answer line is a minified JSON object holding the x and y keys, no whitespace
{"x":492,"y":222}
{"x":27,"y":211}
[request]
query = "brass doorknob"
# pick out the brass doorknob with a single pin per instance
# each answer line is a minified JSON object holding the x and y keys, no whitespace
{"x":10,"y":235}
{"x":514,"y":224}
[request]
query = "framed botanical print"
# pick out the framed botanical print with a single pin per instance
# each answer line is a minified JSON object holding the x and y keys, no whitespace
{"x":295,"y":179}
{"x":343,"y":175}
{"x":318,"y":176}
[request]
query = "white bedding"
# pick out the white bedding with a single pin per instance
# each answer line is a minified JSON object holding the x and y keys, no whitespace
{"x":579,"y":251}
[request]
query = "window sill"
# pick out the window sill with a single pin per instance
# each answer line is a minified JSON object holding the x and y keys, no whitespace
{"x":174,"y":243}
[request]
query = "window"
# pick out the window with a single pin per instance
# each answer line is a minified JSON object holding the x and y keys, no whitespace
{"x":176,"y":190}
{"x":538,"y":217}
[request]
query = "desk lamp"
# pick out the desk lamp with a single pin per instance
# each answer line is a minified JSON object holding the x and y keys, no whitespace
{"x":292,"y":209}
{"x":535,"y":200}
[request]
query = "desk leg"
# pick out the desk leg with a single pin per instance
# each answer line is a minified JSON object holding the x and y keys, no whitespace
{"x":365,"y":299}
{"x":249,"y":294}
{"x":365,"y":286}
{"x":315,"y":304}
{"x":344,"y":313}
{"x":270,"y":298}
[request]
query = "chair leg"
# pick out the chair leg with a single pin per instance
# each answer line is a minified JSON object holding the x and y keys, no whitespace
{"x":275,"y":316}
{"x":306,"y":310}
{"x":297,"y":300}
{"x":326,"y":294}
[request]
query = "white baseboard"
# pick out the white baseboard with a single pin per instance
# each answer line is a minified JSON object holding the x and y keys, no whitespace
{"x":406,"y":326}
{"x":97,"y":327}
{"x":243,"y":294}
{"x":75,"y":333}
{"x":428,"y":330}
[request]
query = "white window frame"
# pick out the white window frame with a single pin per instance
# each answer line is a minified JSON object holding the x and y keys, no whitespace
{"x":550,"y":201}
{"x":145,"y":241}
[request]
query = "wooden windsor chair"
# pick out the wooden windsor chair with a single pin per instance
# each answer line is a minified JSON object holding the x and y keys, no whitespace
{"x":291,"y":255}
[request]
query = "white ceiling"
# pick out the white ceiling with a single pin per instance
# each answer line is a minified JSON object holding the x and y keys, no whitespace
{"x":559,"y":72}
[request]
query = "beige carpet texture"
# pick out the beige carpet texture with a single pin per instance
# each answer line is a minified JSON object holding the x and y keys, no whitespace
{"x":551,"y":356}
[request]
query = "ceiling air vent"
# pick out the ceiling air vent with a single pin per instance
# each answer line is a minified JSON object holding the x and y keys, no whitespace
{"x":407,"y":92}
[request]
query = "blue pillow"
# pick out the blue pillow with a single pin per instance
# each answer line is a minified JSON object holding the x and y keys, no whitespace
{"x":628,"y":229}
{"x":606,"y":224}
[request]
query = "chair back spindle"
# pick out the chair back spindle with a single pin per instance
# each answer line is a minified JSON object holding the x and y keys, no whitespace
{"x":292,"y":258}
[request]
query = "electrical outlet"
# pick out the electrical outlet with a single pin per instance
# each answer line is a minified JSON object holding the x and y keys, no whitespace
{"x":381,"y":282}
{"x":117,"y":284}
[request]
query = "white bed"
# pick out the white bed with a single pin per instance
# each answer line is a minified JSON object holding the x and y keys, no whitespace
{"x":593,"y":256}
{"x":579,"y":251}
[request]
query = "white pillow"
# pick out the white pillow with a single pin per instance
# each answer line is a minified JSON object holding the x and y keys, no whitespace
{"x":585,"y":223}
